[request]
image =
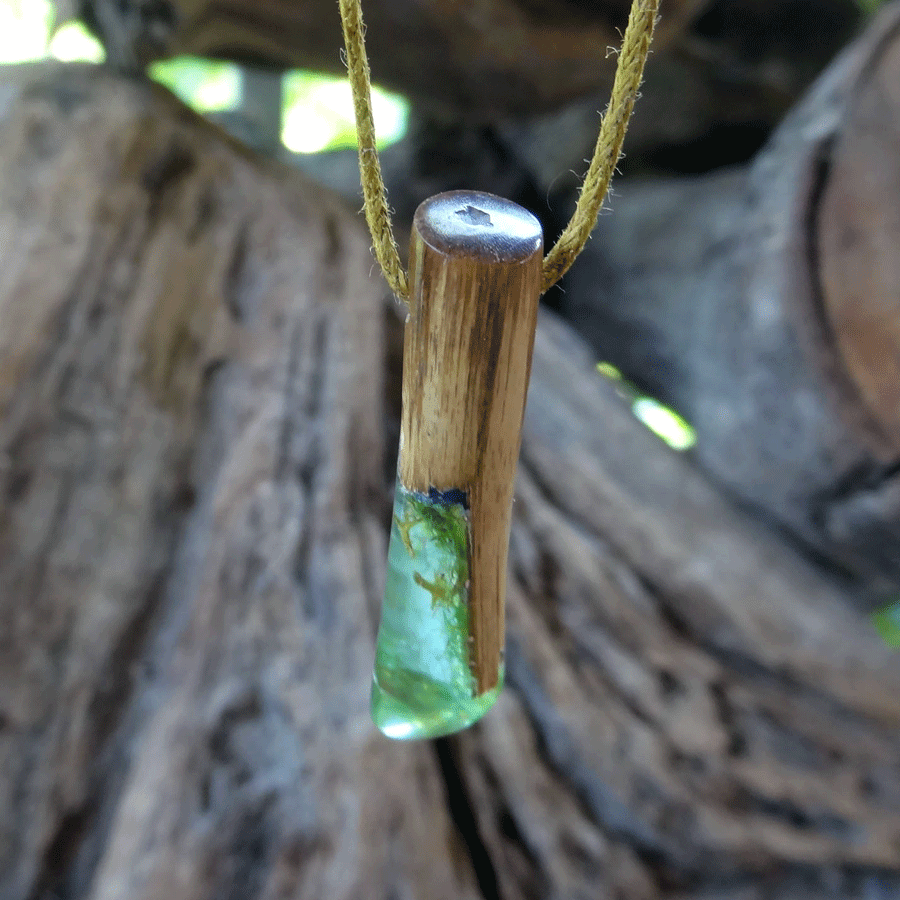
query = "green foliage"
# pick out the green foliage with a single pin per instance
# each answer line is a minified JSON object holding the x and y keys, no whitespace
{"x":317,"y":110}
{"x":25,"y":27}
{"x":72,"y":42}
{"x":202,"y":84}
{"x":27,"y":33}
{"x":664,"y":422}
{"x":887,"y":621}
{"x":318,"y":114}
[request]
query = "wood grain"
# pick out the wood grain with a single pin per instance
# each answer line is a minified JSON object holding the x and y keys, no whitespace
{"x":193,"y":523}
{"x":857,"y":236}
{"x":769,"y":294}
{"x":475,"y":267}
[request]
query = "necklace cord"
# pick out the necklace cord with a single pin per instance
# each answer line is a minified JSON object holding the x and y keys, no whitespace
{"x":608,"y":149}
{"x":378,"y":214}
{"x":629,"y":71}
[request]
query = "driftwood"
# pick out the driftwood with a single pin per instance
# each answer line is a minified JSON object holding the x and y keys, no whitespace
{"x":199,"y":390}
{"x":763,"y":303}
{"x":721,"y":73}
{"x":483,"y":59}
{"x":710,"y":96}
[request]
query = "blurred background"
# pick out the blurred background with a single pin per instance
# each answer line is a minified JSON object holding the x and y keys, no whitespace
{"x":199,"y":417}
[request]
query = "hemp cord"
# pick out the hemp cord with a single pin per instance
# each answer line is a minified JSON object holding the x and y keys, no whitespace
{"x":629,"y":71}
{"x":378,"y":214}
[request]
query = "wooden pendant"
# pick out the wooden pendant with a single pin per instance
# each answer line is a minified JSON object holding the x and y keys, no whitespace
{"x":475,"y":274}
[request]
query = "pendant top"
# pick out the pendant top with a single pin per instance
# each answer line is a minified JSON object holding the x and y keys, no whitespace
{"x":479,"y":226}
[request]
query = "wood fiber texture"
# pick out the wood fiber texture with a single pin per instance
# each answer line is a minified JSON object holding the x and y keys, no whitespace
{"x":468,"y":343}
{"x":762,"y":301}
{"x":193,"y":527}
{"x":198,"y":375}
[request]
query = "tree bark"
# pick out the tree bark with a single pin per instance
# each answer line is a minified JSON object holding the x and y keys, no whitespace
{"x":762,"y":303}
{"x":199,"y":386}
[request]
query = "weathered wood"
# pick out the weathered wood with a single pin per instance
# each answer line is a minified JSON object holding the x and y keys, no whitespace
{"x":478,"y":60}
{"x":762,"y":303}
{"x":192,"y":530}
{"x":709,"y":98}
{"x":192,"y":538}
{"x":698,"y":691}
{"x":855,"y":235}
{"x":475,"y":275}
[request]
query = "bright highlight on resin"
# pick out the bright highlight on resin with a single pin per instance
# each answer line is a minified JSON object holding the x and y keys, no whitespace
{"x":423,"y":685}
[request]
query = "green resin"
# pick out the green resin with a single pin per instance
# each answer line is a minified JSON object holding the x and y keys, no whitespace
{"x":423,"y":685}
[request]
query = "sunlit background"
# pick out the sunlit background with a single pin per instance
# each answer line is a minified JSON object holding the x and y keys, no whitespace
{"x":316,"y":115}
{"x":317,"y":110}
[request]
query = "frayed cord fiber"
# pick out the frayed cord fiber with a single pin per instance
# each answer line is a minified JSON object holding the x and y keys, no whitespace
{"x":629,"y":72}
